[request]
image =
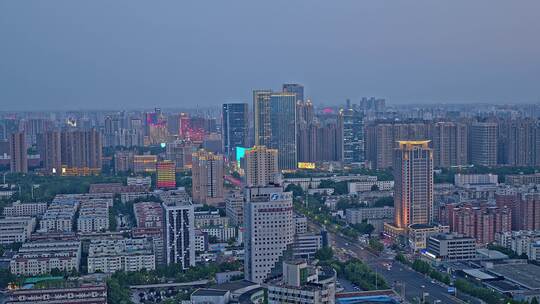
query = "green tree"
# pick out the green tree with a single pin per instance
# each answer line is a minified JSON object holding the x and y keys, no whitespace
{"x":376,"y":245}
{"x":364,"y":227}
{"x":295,"y":189}
{"x":534,"y":301}
{"x":324,"y":254}
{"x":384,"y":201}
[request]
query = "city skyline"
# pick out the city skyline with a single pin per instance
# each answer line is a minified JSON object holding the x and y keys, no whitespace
{"x":164,"y":54}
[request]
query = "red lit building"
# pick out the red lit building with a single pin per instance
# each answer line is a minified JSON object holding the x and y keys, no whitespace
{"x":166,"y":174}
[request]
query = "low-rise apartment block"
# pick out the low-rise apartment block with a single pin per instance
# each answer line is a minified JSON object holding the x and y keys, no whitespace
{"x":36,"y":258}
{"x":111,"y":255}
{"x":25,"y":209}
{"x":16,"y":229}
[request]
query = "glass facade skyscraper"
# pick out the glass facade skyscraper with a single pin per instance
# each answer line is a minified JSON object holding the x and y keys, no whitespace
{"x":275,"y":125}
{"x":235,"y":127}
{"x":352,"y":125}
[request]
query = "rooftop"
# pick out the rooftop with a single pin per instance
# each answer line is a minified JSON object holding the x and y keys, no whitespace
{"x":526,"y":275}
{"x":209,"y":292}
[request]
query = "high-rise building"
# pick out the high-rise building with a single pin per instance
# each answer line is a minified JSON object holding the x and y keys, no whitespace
{"x":81,"y":149}
{"x":413,"y":183}
{"x":283,"y":129}
{"x":450,"y":143}
{"x":207,"y":177}
{"x":382,"y":138}
{"x":17,"y":150}
{"x":479,"y":221}
{"x":295,"y":88}
{"x":483,"y":143}
{"x":261,"y":117}
{"x":166,"y":178}
{"x":235,"y":127}
{"x":522,"y":143}
{"x":179,"y":233}
{"x":123,"y":161}
{"x":49,"y":147}
{"x":268,"y":219}
{"x":156,"y":127}
{"x":180,"y":152}
{"x":352,"y":127}
{"x":261,"y":166}
{"x":529,"y":211}
{"x":275,"y":125}
{"x":33,"y":127}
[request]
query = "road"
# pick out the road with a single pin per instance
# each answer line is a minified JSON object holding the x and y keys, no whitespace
{"x":403,"y":280}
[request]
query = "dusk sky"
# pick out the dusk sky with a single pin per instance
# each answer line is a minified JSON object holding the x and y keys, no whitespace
{"x":69,"y":54}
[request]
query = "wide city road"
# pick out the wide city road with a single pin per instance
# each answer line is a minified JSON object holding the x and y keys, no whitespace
{"x":405,"y":281}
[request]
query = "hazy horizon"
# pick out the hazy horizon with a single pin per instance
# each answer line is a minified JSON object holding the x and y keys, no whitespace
{"x":105,"y":55}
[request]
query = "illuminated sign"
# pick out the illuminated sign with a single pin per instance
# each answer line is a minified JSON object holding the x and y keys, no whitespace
{"x":305,"y":165}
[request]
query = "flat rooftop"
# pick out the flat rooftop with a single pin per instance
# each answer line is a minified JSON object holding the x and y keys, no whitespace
{"x":526,"y":275}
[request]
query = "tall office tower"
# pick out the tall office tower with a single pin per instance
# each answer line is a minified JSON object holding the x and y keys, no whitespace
{"x":483,"y":143}
{"x":166,"y":178}
{"x":283,"y":129}
{"x":449,"y":141}
{"x":17,"y":150}
{"x":81,"y":149}
{"x":180,"y":151}
{"x":295,"y":88}
{"x":382,"y":138}
{"x":275,"y":125}
{"x":522,"y":143}
{"x":207,"y":177}
{"x":179,"y":233}
{"x":352,"y":126}
{"x":261,"y":166}
{"x":413,"y":183}
{"x":49,"y":147}
{"x":268,"y":219}
{"x":235,"y":127}
{"x":261,"y":117}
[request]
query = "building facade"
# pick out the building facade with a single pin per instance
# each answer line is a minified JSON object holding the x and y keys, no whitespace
{"x":269,"y":230}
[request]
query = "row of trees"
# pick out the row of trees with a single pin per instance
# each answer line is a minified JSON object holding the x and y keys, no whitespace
{"x":462,"y":285}
{"x":118,"y":284}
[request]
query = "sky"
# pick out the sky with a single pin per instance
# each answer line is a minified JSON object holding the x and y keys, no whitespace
{"x":102,"y":54}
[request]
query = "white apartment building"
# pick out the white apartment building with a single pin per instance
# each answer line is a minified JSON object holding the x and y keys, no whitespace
{"x":111,"y":255}
{"x":364,"y":186}
{"x":41,"y":257}
{"x":222,"y":233}
{"x":269,"y":229}
{"x":16,"y":229}
{"x":25,"y":209}
{"x":93,"y":216}
{"x":59,"y":216}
